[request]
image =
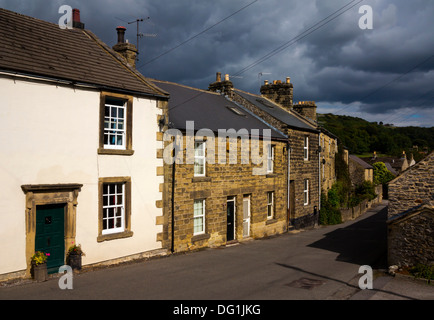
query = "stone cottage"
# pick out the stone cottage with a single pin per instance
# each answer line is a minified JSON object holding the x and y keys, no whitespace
{"x":360,"y":171}
{"x":298,"y":121}
{"x":217,"y":193}
{"x":78,"y":162}
{"x":411,"y":215}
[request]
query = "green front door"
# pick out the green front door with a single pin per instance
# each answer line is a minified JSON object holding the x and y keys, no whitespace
{"x":50,"y":235}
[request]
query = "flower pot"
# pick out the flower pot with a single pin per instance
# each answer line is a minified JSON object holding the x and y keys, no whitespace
{"x":74,"y":261}
{"x":40,"y":273}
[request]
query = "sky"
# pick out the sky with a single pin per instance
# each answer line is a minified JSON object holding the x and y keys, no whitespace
{"x":383,"y":73}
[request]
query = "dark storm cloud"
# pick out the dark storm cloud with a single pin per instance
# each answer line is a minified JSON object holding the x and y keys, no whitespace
{"x":376,"y":73}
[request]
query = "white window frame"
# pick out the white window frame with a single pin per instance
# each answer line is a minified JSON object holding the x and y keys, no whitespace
{"x":306,"y":192}
{"x":270,"y":205}
{"x":199,"y":158}
{"x":118,"y":208}
{"x":199,"y":215}
{"x":270,"y":158}
{"x":110,"y":121}
{"x":306,"y":148}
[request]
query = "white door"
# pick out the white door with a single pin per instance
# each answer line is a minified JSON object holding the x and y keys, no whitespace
{"x":246,"y":216}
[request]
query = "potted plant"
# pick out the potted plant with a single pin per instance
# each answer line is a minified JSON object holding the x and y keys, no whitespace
{"x":39,"y":266}
{"x":74,"y":255}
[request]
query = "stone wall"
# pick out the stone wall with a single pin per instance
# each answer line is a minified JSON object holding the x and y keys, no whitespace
{"x":356,"y":211}
{"x":223,"y":181}
{"x":302,"y":215}
{"x":411,"y":238}
{"x":413,"y":187}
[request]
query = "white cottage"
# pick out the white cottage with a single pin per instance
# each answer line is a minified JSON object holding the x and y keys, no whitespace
{"x":79,"y":163}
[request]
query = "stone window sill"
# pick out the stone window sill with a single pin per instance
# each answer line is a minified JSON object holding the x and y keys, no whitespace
{"x":201,"y":179}
{"x":200,"y":237}
{"x":270,"y":221}
{"x":116,"y":152}
{"x":114,"y":236}
{"x":271,"y":175}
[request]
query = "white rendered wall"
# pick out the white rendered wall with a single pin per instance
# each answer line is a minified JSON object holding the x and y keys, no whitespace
{"x":50,"y":135}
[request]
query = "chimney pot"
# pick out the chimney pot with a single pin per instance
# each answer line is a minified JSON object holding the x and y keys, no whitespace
{"x":226,"y":77}
{"x":266,"y":82}
{"x":121,"y":34}
{"x":218,"y":77}
{"x":75,"y":15}
{"x":288,"y":79}
{"x":76,"y":22}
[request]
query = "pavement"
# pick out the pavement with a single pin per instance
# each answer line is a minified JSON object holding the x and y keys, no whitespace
{"x":316,"y":264}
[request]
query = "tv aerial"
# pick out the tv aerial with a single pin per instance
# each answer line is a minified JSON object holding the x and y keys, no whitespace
{"x":141,"y":35}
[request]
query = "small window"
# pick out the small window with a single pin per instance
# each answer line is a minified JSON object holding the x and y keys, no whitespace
{"x":270,"y":158}
{"x":114,"y":208}
{"x":199,"y":159}
{"x":113,"y":216}
{"x":306,"y":148}
{"x":199,"y":217}
{"x":270,"y":205}
{"x":306,"y":192}
{"x":236,"y":111}
{"x":115,"y":124}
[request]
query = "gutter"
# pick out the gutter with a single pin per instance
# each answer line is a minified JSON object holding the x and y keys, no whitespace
{"x":60,"y":81}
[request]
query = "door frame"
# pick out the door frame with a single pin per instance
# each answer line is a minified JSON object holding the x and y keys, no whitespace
{"x":249,"y":201}
{"x":46,"y":194}
{"x":233,"y":200}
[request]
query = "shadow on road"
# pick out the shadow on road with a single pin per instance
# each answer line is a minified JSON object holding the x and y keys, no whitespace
{"x":340,"y":281}
{"x":363,"y":242}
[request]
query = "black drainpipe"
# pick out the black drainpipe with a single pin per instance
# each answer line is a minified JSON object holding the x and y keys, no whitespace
{"x":173,"y":204}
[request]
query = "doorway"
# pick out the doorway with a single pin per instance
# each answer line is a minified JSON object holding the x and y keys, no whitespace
{"x":246,"y":216}
{"x":230,"y":234}
{"x":291,"y":213}
{"x":50,"y":234}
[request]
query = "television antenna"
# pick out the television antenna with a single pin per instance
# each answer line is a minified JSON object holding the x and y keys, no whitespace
{"x":140,"y":35}
{"x":260,"y":74}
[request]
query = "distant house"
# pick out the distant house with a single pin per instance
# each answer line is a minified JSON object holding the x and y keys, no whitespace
{"x":79,"y":127}
{"x":411,"y":215}
{"x":359,"y":170}
{"x":395,"y":165}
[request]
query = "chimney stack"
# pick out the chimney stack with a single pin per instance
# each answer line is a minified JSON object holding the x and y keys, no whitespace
{"x":76,"y":23}
{"x":279,"y":92}
{"x":224,"y":87}
{"x":125,"y":49}
{"x":307,"y":109}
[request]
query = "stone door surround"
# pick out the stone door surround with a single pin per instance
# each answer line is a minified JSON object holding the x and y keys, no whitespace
{"x":45,"y":194}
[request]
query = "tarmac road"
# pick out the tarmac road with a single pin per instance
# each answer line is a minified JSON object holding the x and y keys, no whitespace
{"x":317,"y":264}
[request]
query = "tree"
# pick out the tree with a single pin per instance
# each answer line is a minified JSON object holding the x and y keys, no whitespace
{"x":381,"y":174}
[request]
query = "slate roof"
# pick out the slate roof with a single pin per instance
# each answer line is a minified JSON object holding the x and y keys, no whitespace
{"x":209,"y":110}
{"x":289,"y":118}
{"x":34,"y":47}
{"x":362,"y":163}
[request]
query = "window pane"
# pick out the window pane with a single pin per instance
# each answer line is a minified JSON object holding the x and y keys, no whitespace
{"x":198,"y":225}
{"x":113,"y":112}
{"x":199,"y":166}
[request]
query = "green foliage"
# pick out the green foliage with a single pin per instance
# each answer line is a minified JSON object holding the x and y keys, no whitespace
{"x":423,"y":271}
{"x":361,"y":136}
{"x":381,"y":174}
{"x":366,"y":190}
{"x":329,"y":213}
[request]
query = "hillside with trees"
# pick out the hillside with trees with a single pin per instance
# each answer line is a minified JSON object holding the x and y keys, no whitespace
{"x":362,"y":137}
